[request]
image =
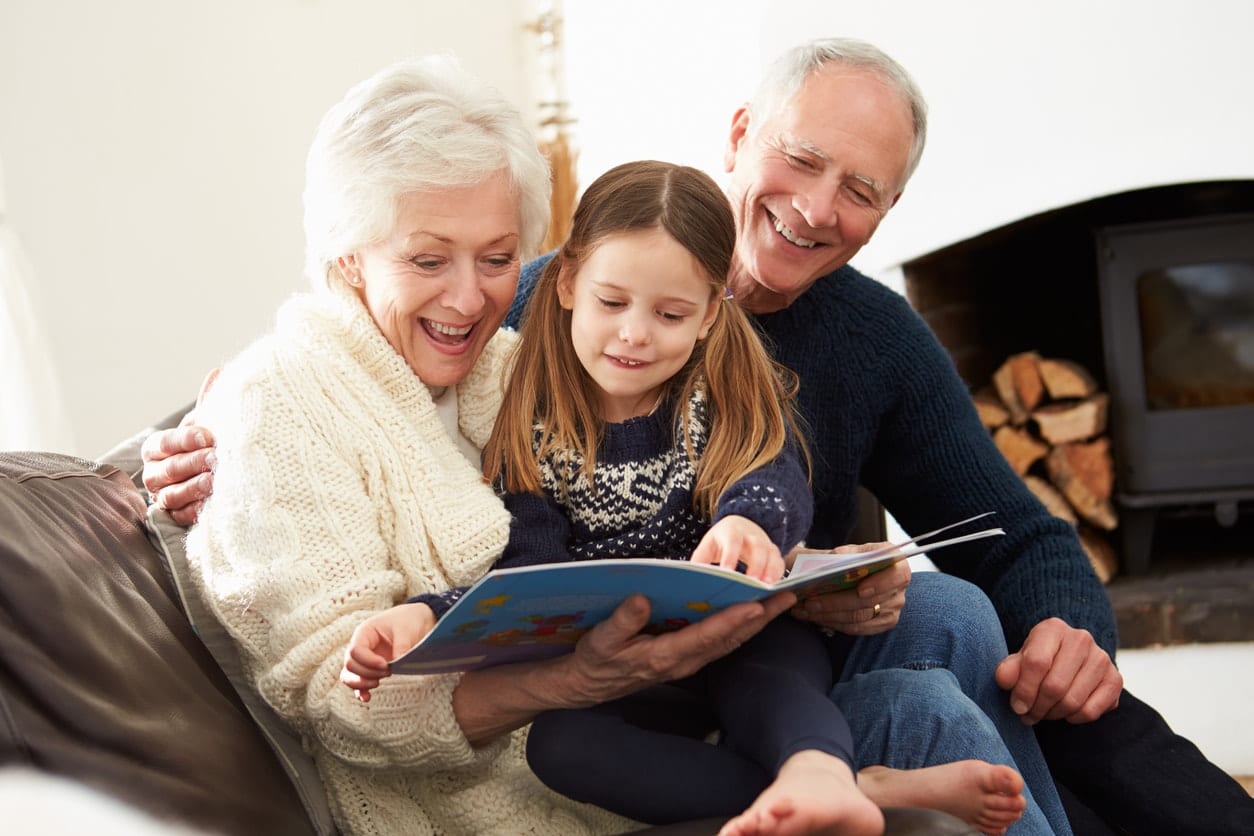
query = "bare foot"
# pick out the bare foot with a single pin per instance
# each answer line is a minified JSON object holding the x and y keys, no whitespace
{"x":814,"y":793}
{"x":987,"y":795}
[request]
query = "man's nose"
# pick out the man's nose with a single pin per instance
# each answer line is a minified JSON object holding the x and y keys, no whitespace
{"x":818,"y":207}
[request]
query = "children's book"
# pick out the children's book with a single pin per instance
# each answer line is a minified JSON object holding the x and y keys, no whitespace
{"x":537,"y":612}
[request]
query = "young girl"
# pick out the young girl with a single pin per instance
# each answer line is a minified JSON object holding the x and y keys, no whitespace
{"x":644,"y":418}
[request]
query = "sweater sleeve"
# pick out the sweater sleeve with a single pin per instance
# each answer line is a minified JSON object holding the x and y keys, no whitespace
{"x":295,"y":548}
{"x":934,"y":463}
{"x":776,"y":497}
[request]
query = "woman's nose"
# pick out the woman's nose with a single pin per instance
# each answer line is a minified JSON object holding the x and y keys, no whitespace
{"x":463,"y":293}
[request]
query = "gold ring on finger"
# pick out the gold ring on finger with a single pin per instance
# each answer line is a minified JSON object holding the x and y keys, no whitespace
{"x":875,"y":611}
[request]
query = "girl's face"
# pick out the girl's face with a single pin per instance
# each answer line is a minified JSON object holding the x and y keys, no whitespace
{"x":638,"y":304}
{"x":440,"y":285}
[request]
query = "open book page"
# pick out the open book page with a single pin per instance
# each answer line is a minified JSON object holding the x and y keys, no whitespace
{"x":538,"y":612}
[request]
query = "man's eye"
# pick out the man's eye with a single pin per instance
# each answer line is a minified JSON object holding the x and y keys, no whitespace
{"x":800,"y":162}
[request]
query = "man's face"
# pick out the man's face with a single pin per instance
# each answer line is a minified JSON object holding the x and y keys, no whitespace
{"x":810,"y":184}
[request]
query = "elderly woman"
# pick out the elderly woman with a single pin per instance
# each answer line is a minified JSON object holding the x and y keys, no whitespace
{"x":348,"y":468}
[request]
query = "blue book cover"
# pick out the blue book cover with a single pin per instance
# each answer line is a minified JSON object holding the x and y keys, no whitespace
{"x":537,"y":612}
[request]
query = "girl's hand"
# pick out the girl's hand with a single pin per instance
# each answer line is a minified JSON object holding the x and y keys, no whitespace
{"x":735,"y":540}
{"x":379,"y":639}
{"x":873,"y":606}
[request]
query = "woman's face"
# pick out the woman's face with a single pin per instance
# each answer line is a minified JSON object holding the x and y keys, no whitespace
{"x":440,"y":285}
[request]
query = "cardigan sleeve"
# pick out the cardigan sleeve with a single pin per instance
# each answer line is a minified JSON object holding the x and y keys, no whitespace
{"x":297,"y":547}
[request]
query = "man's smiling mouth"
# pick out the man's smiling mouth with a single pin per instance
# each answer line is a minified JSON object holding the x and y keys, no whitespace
{"x":790,"y":236}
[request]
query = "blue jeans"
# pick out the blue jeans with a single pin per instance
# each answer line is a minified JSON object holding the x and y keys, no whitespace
{"x":923,"y":694}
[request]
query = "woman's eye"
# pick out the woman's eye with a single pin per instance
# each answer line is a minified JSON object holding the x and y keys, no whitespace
{"x":500,"y":261}
{"x":424,"y":263}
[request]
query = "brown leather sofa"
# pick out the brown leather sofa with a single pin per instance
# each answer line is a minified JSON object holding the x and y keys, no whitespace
{"x":105,"y":681}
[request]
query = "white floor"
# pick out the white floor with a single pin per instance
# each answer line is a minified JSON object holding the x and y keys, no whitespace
{"x":1205,"y":692}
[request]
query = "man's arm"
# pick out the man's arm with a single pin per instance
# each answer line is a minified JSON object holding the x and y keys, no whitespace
{"x":179,"y":462}
{"x":935,"y":463}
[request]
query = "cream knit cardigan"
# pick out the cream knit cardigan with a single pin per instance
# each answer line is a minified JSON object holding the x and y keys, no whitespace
{"x":337,"y":494}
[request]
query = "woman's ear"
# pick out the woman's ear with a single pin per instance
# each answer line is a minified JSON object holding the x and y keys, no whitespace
{"x":349,"y":269}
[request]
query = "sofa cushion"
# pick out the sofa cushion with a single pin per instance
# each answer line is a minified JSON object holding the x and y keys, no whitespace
{"x":102,"y":679}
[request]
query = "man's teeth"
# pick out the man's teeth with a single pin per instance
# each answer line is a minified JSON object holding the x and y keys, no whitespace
{"x":791,"y":236}
{"x":449,"y":330}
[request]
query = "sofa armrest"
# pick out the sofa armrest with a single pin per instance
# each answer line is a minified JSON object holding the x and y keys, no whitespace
{"x":102,"y":679}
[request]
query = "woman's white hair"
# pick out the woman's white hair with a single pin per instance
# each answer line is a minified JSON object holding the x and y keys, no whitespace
{"x":417,"y":125}
{"x":785,"y":76}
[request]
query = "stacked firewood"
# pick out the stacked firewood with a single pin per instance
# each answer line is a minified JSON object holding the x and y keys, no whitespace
{"x":1049,"y":420}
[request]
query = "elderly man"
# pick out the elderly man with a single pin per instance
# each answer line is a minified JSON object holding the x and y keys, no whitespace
{"x":816,"y":160}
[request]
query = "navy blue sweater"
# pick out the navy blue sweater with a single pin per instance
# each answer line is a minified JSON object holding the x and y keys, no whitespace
{"x":885,"y":408}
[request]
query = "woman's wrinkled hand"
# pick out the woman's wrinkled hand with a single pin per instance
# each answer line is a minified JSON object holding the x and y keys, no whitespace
{"x":873,"y":606}
{"x":615,"y":659}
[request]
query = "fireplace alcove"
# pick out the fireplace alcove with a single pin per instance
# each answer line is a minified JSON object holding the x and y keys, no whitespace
{"x":1034,"y":284}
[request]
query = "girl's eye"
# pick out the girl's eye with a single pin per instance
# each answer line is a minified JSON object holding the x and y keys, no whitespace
{"x":671,"y":317}
{"x":609,"y":303}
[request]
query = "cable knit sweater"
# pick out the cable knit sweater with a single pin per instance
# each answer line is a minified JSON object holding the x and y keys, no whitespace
{"x":886,"y":409}
{"x":338,"y":494}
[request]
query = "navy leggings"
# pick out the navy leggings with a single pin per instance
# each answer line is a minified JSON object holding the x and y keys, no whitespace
{"x":645,"y":756}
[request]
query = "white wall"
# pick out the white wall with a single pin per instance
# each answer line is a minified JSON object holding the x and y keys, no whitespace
{"x":153,"y":154}
{"x":1033,"y":105}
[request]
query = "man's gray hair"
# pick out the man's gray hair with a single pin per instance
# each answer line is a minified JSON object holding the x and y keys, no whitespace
{"x":415,"y":126}
{"x":785,"y":76}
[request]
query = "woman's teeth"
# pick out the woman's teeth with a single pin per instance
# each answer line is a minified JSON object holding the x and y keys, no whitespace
{"x":449,"y":330}
{"x":447,"y":334}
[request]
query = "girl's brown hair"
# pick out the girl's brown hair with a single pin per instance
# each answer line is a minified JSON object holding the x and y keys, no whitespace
{"x":749,"y":395}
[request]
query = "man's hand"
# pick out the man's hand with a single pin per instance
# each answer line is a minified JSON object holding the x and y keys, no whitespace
{"x":873,"y":606}
{"x":1060,"y":674}
{"x":378,"y":640}
{"x":178,"y":464}
{"x":736,"y":540}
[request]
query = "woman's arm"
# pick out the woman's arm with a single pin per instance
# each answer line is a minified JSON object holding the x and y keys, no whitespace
{"x":614,"y":659}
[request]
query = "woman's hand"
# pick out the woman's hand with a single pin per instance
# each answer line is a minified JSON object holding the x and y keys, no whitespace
{"x":614,"y":659}
{"x":178,"y":464}
{"x":734,"y":540}
{"x":873,"y":606}
{"x":380,"y":639}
